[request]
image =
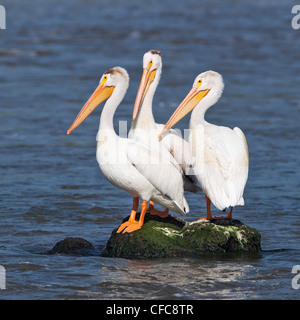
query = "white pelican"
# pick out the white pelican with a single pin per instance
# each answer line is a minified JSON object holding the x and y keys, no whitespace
{"x":220,"y":154}
{"x":124,"y":162}
{"x":144,"y":128}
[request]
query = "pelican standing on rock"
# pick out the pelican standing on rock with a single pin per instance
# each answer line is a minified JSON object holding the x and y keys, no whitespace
{"x":144,"y":128}
{"x":122,"y":160}
{"x":221,"y":158}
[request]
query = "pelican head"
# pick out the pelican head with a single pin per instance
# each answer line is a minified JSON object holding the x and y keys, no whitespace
{"x":207,"y":89}
{"x":152,"y":65}
{"x":105,"y":89}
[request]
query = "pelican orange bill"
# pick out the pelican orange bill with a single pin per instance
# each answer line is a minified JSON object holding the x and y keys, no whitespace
{"x":147,"y":78}
{"x":186,"y":106}
{"x":100,"y":94}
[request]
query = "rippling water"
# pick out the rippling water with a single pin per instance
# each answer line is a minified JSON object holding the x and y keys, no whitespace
{"x":51,"y":57}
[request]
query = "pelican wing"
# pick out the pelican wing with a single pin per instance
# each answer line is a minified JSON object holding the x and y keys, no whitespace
{"x":224,"y":161}
{"x":160,"y":170}
{"x":179,"y":148}
{"x":218,"y":152}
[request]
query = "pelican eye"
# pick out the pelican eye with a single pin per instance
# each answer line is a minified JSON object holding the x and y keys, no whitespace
{"x":199,"y":82}
{"x":104,"y":79}
{"x":150,"y":64}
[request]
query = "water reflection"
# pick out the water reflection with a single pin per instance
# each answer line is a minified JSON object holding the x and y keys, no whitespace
{"x":183,"y":279}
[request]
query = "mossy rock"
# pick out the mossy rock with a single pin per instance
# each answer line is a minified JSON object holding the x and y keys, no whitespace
{"x":173,"y":237}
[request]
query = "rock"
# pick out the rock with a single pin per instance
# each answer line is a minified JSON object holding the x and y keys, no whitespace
{"x":73,"y":246}
{"x":173,"y":237}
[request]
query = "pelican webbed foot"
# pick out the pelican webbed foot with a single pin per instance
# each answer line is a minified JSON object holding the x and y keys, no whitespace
{"x":131,"y":219}
{"x":155,"y":212}
{"x":136,"y":225}
{"x":229,"y":216}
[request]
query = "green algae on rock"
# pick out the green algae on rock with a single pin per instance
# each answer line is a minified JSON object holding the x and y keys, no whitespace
{"x":173,"y":237}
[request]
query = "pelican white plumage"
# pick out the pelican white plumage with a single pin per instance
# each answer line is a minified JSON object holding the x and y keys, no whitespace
{"x":127,"y":164}
{"x":144,"y":128}
{"x":221,"y":158}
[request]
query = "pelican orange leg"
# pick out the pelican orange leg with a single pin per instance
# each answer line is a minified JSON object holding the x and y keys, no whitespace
{"x":131,"y":219}
{"x":209,"y":216}
{"x":208,"y":205}
{"x":136,"y":225}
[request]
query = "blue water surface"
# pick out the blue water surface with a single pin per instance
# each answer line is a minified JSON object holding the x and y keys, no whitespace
{"x":52,"y":55}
